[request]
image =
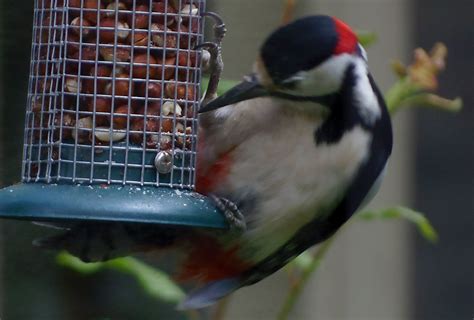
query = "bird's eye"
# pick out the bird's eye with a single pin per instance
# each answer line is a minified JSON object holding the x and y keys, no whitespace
{"x":362,"y":53}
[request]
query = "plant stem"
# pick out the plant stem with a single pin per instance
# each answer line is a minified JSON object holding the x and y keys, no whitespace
{"x":298,"y":286}
{"x":397,"y":93}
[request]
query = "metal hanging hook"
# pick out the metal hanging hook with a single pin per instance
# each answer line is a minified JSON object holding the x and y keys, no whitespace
{"x":220,"y":29}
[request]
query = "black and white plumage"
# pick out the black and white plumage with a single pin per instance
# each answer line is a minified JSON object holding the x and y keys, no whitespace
{"x":314,"y":117}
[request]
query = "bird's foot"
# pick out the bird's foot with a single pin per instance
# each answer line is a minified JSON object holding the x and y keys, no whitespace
{"x":231,"y":212}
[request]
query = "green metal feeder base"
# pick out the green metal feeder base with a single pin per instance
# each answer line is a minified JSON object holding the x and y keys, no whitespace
{"x":114,"y":203}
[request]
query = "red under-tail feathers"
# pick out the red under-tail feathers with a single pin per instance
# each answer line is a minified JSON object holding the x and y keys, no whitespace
{"x":208,"y":261}
{"x":209,"y":177}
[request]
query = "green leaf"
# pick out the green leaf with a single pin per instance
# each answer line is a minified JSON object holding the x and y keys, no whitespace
{"x":224,"y":85}
{"x":153,"y":281}
{"x":366,"y":38}
{"x":422,"y":223}
{"x":304,"y":260}
{"x":68,"y":261}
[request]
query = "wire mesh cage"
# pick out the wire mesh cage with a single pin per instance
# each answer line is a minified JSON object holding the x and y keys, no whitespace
{"x":114,"y":90}
{"x":110,"y":89}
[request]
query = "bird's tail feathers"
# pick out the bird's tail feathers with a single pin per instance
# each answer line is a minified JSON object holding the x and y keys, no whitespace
{"x":210,"y":293}
{"x":95,"y":241}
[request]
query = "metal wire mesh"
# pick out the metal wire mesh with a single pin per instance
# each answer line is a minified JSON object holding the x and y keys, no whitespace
{"x":113,"y":84}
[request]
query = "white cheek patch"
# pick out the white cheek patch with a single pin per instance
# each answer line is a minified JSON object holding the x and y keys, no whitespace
{"x":325,"y":79}
{"x":328,"y":78}
{"x":364,"y":95}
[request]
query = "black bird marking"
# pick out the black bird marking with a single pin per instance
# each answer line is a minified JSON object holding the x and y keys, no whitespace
{"x":302,"y":50}
{"x":344,"y":114}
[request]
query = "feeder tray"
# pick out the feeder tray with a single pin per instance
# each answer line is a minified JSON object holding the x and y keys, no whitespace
{"x":111,"y":120}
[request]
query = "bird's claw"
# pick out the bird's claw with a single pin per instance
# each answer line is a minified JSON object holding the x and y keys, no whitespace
{"x":231,"y":213}
{"x":220,"y":32}
{"x":216,"y":64}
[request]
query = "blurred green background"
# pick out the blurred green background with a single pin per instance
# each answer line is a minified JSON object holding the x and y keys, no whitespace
{"x":375,"y":271}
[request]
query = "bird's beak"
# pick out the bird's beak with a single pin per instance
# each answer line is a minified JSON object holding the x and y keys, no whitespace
{"x":248,"y":89}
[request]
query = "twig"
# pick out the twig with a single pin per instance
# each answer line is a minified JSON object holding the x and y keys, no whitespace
{"x":298,"y":286}
{"x":221,"y":309}
{"x":193,"y":315}
{"x":288,"y":11}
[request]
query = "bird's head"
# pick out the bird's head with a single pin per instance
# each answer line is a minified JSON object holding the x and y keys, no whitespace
{"x":304,"y":60}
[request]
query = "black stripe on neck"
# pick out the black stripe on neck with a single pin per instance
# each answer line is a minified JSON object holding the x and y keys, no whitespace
{"x":344,"y":114}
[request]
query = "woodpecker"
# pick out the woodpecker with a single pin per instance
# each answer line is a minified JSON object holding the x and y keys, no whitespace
{"x":288,"y":155}
{"x":296,"y":147}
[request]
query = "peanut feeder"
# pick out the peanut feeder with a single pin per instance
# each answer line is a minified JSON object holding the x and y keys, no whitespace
{"x":111,"y":119}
